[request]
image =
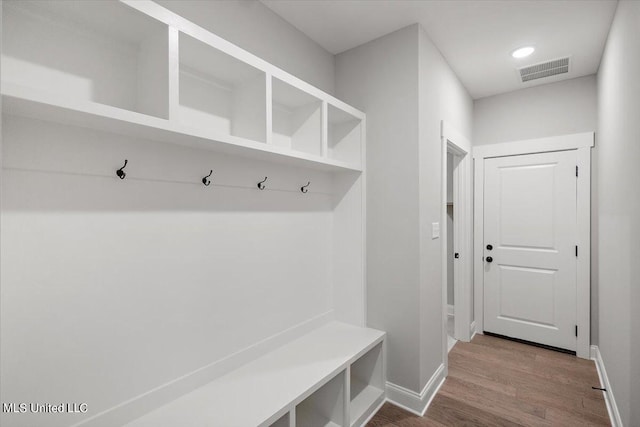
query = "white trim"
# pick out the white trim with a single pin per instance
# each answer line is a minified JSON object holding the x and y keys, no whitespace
{"x":582,"y":143}
{"x":451,"y":310}
{"x":459,"y":279}
{"x":268,"y":85}
{"x":453,"y":135}
{"x":363,"y":227}
{"x":346,"y":397}
{"x":292,"y":417}
{"x":453,"y":141}
{"x":583,"y":276}
{"x":174,"y":73}
{"x":540,"y":145}
{"x":416,"y":403}
{"x":472,"y":330}
{"x":478,"y":239}
{"x":612,"y":408}
{"x":324,"y":137}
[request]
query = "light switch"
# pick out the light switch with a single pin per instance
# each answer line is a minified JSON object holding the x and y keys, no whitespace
{"x":435,"y":230}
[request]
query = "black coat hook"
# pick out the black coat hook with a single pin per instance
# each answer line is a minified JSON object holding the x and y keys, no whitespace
{"x":120,"y":172}
{"x":304,"y":188}
{"x":261,"y":185}
{"x":206,"y":180}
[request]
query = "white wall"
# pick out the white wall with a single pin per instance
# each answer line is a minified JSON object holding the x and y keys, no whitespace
{"x":406,"y":89}
{"x":256,"y":28}
{"x":111,"y":288}
{"x":442,"y":97}
{"x":618,"y":152}
{"x":555,"y":109}
{"x":565,"y":107}
{"x":381,"y":77}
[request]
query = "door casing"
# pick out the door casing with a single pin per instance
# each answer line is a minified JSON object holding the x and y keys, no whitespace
{"x":582,"y":143}
{"x":453,"y":141}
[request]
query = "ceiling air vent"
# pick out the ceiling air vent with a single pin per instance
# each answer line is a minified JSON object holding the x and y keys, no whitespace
{"x":545,"y":69}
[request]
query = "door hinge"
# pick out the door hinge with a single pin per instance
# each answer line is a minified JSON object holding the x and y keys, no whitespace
{"x":576,"y":170}
{"x":576,"y":330}
{"x":576,"y":250}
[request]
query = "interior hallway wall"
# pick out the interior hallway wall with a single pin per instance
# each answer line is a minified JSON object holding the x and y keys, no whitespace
{"x":406,"y":88}
{"x":156,"y":280}
{"x":442,"y":97}
{"x":256,"y":28}
{"x":561,"y":108}
{"x":618,"y":151}
{"x":381,"y":78}
{"x":152,"y":276}
{"x":554,"y":109}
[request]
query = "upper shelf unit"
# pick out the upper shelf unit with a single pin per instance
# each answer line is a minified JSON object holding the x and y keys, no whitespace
{"x":135,"y":68}
{"x":101,"y":52}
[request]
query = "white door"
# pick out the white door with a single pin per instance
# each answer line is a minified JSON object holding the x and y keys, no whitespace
{"x":530,"y":247}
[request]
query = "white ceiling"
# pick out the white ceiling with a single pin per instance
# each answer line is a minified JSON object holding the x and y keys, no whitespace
{"x":476,"y":37}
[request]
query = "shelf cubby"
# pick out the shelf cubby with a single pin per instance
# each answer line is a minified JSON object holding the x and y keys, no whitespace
{"x":283,"y":421}
{"x":219,"y":92}
{"x":324,"y":407}
{"x":103,"y":52}
{"x":367,"y":383}
{"x":297,"y":119}
{"x":344,"y":136}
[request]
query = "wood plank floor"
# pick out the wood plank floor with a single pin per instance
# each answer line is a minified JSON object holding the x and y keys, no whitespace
{"x":497,"y":382}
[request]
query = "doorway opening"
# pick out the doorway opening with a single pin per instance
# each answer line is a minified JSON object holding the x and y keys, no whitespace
{"x":452,"y":162}
{"x":456,"y":239}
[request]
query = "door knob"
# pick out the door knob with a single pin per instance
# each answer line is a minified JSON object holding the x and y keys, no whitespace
{"x":489,"y":247}
{"x":489,"y":259}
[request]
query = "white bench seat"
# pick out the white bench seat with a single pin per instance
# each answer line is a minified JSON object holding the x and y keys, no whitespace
{"x":260,"y":392}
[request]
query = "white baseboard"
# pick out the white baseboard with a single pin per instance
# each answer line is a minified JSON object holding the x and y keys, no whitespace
{"x":416,"y":403}
{"x":451,"y":310}
{"x":148,"y":401}
{"x":612,"y":408}
{"x":472,"y":330}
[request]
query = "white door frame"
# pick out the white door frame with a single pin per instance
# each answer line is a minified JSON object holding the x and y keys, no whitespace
{"x":582,"y":143}
{"x":453,"y":141}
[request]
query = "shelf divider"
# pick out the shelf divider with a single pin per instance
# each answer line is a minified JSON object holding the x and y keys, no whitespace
{"x":174,"y":74}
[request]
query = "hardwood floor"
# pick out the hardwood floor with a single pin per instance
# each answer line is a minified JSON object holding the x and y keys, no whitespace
{"x":497,"y":382}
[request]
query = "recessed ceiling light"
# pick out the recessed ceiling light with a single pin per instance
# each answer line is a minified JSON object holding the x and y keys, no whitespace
{"x":523,"y":52}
